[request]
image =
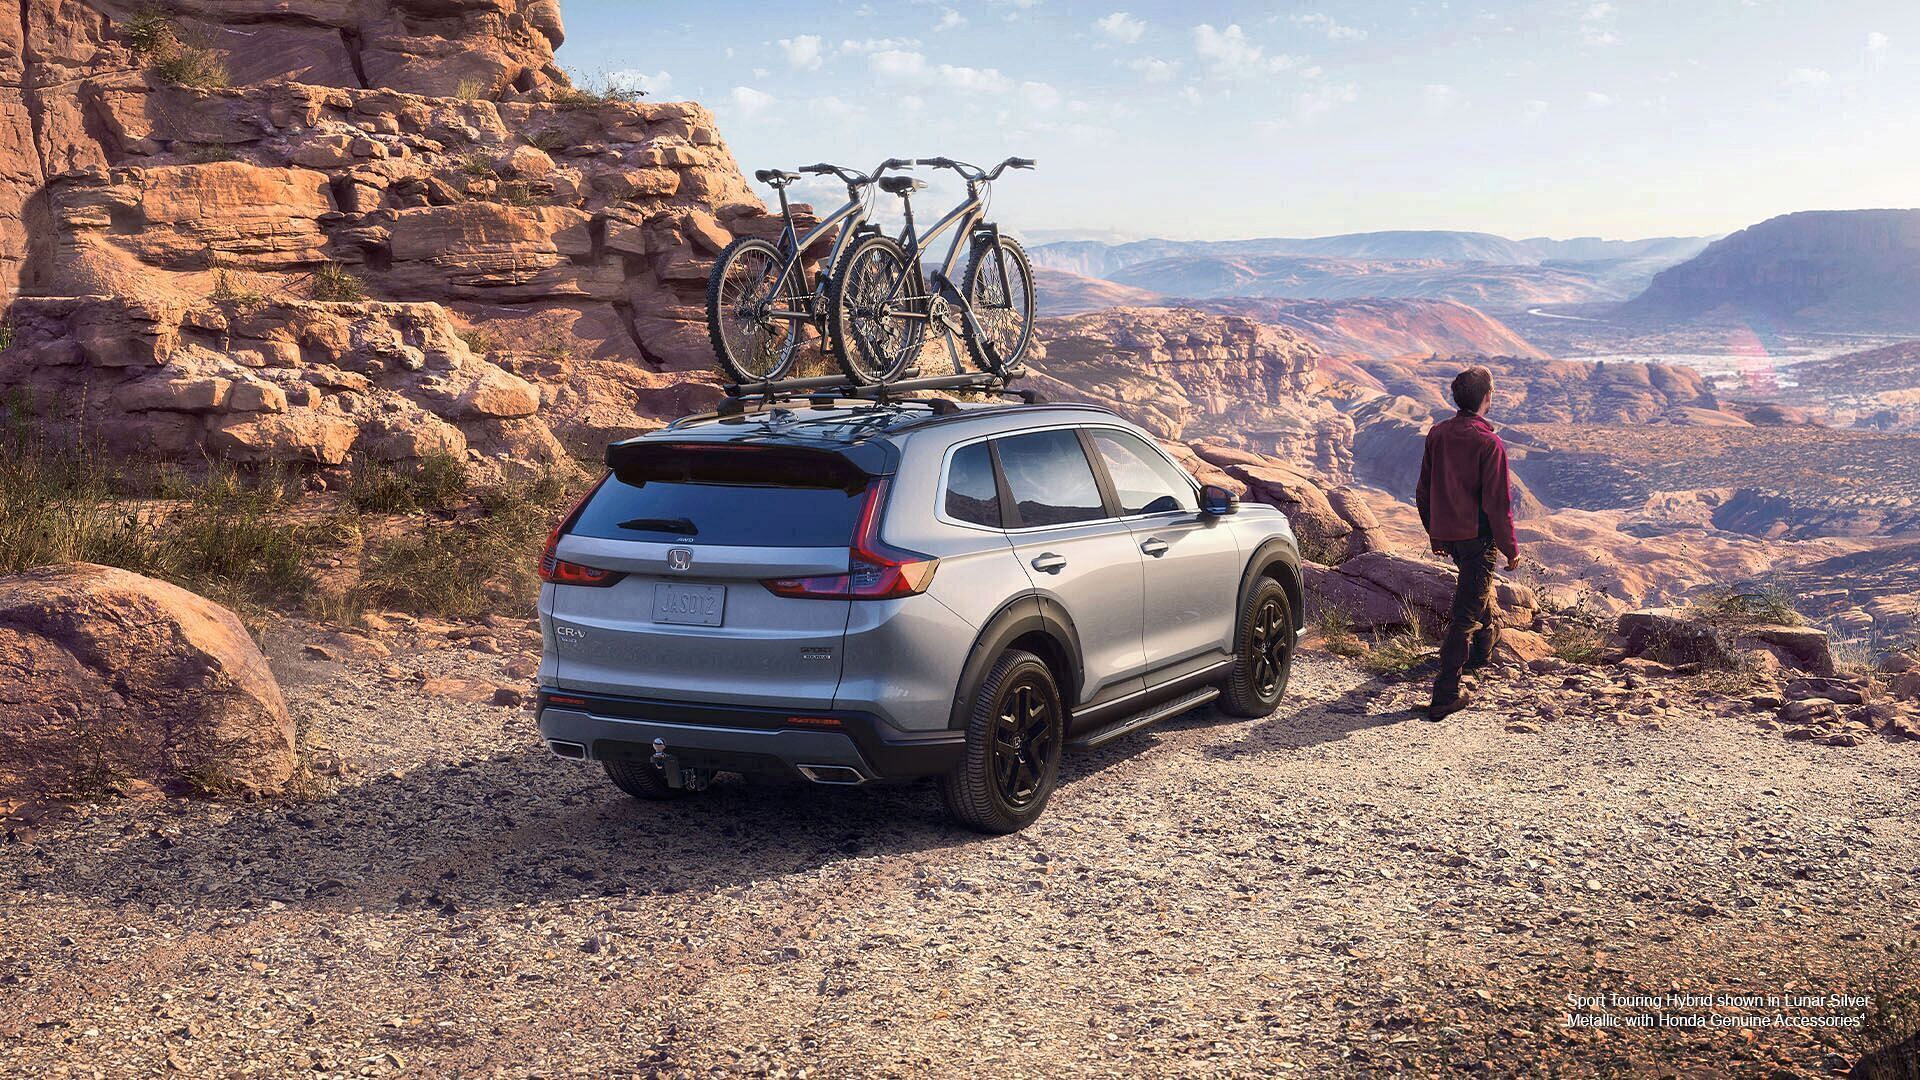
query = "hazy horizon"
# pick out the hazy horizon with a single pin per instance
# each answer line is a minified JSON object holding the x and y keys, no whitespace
{"x":1619,"y":119}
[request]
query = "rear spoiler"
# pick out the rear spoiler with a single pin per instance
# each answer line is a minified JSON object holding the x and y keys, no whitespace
{"x":849,"y":469}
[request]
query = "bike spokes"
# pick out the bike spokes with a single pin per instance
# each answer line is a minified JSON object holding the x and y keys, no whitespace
{"x":759,"y":342}
{"x":881,"y":315}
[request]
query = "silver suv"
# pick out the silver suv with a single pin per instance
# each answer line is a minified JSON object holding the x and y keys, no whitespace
{"x":854,"y":592}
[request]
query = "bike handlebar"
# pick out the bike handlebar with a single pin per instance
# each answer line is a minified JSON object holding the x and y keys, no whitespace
{"x":974,"y":172}
{"x":852,"y":178}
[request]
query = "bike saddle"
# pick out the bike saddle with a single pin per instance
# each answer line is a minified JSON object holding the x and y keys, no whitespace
{"x":775,"y":177}
{"x":901,"y":185}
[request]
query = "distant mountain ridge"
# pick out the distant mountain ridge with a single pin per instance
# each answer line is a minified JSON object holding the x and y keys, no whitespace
{"x":1471,"y":267}
{"x":1847,"y":270}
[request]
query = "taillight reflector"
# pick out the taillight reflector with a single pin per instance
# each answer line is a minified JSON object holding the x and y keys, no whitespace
{"x":875,"y":571}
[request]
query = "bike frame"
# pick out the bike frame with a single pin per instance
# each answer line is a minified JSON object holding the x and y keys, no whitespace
{"x":970,"y":219}
{"x":853,"y":214}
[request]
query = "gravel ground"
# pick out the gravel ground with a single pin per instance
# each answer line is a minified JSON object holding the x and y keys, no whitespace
{"x":1340,"y":887}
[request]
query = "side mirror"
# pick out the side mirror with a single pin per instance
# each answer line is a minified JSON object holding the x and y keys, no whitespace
{"x":1216,"y":501}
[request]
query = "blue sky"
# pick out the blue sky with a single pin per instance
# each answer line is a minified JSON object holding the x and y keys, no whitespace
{"x":1615,"y":118}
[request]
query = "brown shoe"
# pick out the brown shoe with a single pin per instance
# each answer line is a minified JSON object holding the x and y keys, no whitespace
{"x":1441,"y":710}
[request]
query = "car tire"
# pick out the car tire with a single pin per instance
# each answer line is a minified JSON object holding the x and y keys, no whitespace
{"x":642,"y":781}
{"x":1263,"y":652}
{"x":1016,"y":733}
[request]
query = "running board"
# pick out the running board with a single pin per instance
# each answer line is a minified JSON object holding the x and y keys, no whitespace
{"x":1104,"y":735}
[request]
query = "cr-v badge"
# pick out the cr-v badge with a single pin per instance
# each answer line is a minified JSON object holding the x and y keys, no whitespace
{"x":679,"y":558}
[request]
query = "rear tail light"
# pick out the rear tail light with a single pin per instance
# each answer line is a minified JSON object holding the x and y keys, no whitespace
{"x":558,"y":571}
{"x":875,"y":571}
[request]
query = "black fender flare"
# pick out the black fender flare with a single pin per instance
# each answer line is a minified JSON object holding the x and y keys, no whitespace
{"x":1278,"y":558}
{"x":1023,"y":615}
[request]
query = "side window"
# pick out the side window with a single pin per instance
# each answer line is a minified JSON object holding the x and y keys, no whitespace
{"x":1049,"y":478}
{"x":972,"y":495}
{"x":1144,"y":480}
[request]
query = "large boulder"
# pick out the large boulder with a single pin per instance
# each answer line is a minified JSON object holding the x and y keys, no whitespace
{"x":1378,"y":590}
{"x":1678,"y":635}
{"x":108,"y":677}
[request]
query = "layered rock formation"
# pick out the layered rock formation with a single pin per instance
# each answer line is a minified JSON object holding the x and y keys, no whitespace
{"x":1183,"y":373}
{"x":1849,"y":270}
{"x":569,"y":239}
{"x":108,"y":677}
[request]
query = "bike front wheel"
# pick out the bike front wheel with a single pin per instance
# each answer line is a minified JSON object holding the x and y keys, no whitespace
{"x":999,"y":286}
{"x":876,"y":311}
{"x":744,"y":293}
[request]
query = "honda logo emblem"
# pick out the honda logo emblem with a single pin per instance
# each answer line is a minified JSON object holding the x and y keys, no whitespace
{"x":680,"y":558}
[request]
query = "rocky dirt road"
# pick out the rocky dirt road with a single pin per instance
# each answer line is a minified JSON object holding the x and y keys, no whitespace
{"x":1338,"y":888}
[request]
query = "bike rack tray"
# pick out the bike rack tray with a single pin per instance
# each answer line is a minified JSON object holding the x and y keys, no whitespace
{"x":742,"y":396}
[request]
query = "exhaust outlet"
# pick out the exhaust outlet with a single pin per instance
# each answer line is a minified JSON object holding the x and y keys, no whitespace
{"x":835,"y":775}
{"x":565,"y":749}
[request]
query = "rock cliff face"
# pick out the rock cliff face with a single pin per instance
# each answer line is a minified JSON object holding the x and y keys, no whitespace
{"x":1852,"y":270}
{"x":167,"y":240}
{"x":1183,"y":373}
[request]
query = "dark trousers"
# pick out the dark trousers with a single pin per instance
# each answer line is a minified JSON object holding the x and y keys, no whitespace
{"x":1471,"y":632}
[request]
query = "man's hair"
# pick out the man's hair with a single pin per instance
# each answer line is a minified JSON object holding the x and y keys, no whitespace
{"x":1472,"y":387}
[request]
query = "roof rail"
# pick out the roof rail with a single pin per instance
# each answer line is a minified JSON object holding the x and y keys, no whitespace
{"x":826,"y":389}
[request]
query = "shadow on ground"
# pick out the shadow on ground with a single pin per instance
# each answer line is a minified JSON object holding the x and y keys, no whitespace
{"x":522,"y":827}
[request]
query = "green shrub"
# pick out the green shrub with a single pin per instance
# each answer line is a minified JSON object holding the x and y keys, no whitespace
{"x":193,"y":67}
{"x":225,"y":287}
{"x":436,"y":482}
{"x":473,"y":566}
{"x":148,"y":32}
{"x":333,"y":283}
{"x":1577,"y":642}
{"x":1766,"y":604}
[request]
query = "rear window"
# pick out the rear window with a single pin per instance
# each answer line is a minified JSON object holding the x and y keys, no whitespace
{"x":973,"y":496}
{"x":736,"y":498}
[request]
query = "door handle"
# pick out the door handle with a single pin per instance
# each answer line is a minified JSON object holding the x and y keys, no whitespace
{"x":1048,"y":563}
{"x":1154,"y":546}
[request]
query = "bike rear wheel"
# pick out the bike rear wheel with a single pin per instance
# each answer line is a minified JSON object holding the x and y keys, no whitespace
{"x":999,"y":286}
{"x":876,"y":311}
{"x":751,"y":344}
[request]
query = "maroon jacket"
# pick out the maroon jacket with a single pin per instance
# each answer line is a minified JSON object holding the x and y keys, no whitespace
{"x":1464,"y":492}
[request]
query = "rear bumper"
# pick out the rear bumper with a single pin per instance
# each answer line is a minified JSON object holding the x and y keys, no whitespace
{"x":735,"y":739}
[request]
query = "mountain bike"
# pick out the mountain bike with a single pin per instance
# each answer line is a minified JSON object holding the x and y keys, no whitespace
{"x":758,"y":295}
{"x":882,"y":303}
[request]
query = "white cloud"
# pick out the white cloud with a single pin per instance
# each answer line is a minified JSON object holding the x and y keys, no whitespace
{"x":1039,"y":96}
{"x":1536,"y":109}
{"x":656,"y":84}
{"x":1121,"y":26}
{"x":897,"y":63}
{"x":911,"y":66}
{"x":1877,"y":41}
{"x":950,"y":20}
{"x":1324,"y":98}
{"x":1230,"y":54}
{"x":1191,"y":94}
{"x":1439,"y":97}
{"x":748,"y":101}
{"x":802,"y":52}
{"x":1802,"y":76}
{"x":1153,"y":69}
{"x":1595,"y":24}
{"x":874,"y":45}
{"x":1326,"y":24}
{"x":833,"y":109}
{"x":1598,"y":100}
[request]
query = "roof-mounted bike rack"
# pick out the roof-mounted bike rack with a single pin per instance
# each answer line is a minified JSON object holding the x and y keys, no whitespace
{"x":826,"y":389}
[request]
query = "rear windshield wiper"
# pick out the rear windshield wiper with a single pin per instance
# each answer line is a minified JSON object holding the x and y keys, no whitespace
{"x":678,"y":526}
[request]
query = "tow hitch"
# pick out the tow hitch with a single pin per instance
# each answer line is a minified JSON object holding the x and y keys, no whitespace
{"x":676,"y":776}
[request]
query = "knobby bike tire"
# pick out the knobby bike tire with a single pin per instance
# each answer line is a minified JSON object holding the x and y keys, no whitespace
{"x":785,"y":343}
{"x":872,"y":349}
{"x":1007,"y":321}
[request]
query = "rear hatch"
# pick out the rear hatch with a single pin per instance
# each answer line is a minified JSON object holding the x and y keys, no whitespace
{"x":672,"y":553}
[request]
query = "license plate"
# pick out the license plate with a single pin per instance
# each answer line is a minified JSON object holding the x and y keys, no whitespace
{"x":689,"y":605}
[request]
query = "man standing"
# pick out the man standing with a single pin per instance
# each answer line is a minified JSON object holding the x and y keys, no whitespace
{"x":1466,"y":504}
